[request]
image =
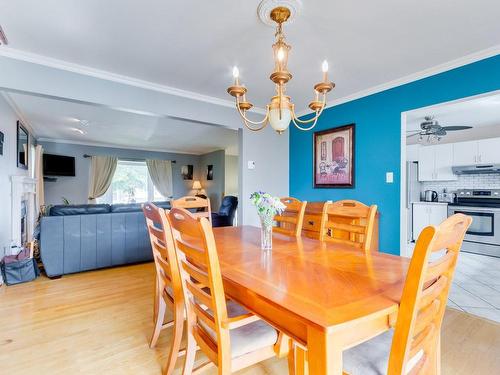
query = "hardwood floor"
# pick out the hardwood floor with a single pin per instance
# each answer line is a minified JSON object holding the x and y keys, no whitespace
{"x":100,"y":323}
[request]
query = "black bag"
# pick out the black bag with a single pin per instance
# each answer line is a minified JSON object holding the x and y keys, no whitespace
{"x":20,"y":271}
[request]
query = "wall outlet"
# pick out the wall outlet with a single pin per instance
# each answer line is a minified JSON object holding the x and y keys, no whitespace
{"x":389,"y":177}
{"x":251,"y":164}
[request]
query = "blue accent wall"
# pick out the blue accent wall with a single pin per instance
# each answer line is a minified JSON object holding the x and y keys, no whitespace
{"x":378,"y":139}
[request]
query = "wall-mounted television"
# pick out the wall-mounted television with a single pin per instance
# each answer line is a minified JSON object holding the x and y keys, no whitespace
{"x":58,"y":165}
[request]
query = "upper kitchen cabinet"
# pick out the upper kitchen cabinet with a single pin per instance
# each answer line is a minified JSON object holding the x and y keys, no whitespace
{"x":484,"y":151}
{"x":489,"y":151}
{"x":434,"y":163}
{"x":464,"y":153}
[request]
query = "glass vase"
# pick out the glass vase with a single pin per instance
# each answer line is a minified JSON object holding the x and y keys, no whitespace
{"x":266,"y":235}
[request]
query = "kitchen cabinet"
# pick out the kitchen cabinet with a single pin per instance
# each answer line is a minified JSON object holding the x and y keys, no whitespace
{"x":484,"y":151}
{"x":489,"y":151}
{"x":427,"y":213}
{"x":434,"y":163}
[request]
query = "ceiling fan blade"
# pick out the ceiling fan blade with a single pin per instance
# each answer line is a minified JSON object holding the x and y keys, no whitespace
{"x":413,"y":131}
{"x":412,"y":135}
{"x":453,"y":128}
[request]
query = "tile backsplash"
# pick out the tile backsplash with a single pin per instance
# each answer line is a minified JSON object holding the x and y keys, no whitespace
{"x":471,"y":181}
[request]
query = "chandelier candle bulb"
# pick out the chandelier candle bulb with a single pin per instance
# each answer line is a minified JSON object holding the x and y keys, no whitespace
{"x":236,"y":75}
{"x":324,"y":68}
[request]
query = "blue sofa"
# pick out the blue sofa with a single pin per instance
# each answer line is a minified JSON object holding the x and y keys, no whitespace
{"x":76,"y":238}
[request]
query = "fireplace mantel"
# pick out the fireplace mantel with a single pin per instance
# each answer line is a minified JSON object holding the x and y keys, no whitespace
{"x":23,"y":189}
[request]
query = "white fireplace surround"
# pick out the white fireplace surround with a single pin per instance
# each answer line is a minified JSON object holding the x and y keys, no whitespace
{"x":23,"y":189}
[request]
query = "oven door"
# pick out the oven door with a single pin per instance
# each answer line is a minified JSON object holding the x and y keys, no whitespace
{"x":485,"y":223}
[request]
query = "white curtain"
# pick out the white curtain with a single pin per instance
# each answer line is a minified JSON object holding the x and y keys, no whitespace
{"x":160,"y":172}
{"x":102,"y":170}
{"x":40,"y":193}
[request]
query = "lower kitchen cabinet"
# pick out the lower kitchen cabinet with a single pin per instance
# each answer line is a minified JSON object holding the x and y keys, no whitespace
{"x":427,"y":213}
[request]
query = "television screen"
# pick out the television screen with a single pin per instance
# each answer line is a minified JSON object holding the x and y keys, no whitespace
{"x":58,"y":165}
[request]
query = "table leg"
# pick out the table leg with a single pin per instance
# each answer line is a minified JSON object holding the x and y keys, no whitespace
{"x":324,"y":354}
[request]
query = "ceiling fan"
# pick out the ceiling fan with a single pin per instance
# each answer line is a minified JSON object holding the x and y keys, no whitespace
{"x":431,"y":129}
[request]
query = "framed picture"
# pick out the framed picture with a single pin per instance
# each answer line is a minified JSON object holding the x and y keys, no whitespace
{"x":187,"y":172}
{"x":334,"y":157}
{"x":210,"y":172}
{"x":22,"y":146}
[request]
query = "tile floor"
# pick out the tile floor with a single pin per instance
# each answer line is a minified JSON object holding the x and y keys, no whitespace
{"x":476,"y":285}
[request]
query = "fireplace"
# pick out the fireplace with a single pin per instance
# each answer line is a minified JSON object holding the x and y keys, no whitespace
{"x":23,"y":209}
{"x":24,"y":222}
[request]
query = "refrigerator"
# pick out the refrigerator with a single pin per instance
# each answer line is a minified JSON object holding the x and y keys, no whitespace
{"x":412,"y":195}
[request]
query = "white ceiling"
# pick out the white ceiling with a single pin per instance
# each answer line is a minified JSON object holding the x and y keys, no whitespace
{"x":192,"y":44}
{"x":56,"y":120}
{"x":482,"y":113}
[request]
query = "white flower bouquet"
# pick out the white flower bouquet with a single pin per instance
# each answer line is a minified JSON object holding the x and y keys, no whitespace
{"x":267,"y":207}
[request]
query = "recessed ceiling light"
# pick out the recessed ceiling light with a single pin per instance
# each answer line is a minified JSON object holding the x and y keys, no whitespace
{"x":3,"y":37}
{"x":78,"y":131}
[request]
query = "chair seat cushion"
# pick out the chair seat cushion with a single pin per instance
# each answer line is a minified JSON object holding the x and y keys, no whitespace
{"x":248,"y":338}
{"x":370,"y":357}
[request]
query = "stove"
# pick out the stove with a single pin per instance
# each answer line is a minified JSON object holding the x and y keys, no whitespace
{"x":483,"y":236}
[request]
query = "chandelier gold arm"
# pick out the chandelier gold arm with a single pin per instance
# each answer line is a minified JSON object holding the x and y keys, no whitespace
{"x":247,"y":122}
{"x":314,"y":119}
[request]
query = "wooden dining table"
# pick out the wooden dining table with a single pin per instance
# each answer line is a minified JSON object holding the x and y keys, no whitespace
{"x":327,"y":297}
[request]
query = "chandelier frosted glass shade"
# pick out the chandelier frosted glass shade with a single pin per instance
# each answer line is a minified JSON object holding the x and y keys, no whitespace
{"x":280,"y":119}
{"x":281,"y":111}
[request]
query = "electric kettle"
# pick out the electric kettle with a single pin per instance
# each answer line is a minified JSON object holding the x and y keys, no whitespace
{"x":430,"y":196}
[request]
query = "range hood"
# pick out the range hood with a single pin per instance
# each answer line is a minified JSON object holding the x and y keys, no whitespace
{"x":476,"y":169}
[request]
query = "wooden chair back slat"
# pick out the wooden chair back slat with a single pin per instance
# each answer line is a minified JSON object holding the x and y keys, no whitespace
{"x":290,"y":221}
{"x":191,"y":251}
{"x":193,"y":202}
{"x":202,"y":298}
{"x":433,"y":292}
{"x":164,"y":255}
{"x":353,"y":228}
{"x":204,"y":316}
{"x":208,"y":346}
{"x":348,"y":222}
{"x":196,"y":273}
{"x":195,"y":243}
{"x":417,"y":335}
{"x":439,"y":267}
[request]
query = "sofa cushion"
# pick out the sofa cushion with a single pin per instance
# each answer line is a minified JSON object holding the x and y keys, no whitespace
{"x":126,"y":207}
{"x":79,"y":209}
{"x":135,"y":207}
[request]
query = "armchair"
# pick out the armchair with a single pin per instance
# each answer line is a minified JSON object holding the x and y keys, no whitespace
{"x":225,"y":216}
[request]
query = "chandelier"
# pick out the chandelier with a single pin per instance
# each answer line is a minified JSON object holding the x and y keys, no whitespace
{"x":281,"y":111}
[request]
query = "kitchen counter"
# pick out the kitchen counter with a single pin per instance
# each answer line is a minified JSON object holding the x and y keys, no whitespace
{"x":423,"y":202}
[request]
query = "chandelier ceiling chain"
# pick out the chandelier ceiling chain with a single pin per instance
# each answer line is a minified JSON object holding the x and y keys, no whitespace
{"x":281,"y":111}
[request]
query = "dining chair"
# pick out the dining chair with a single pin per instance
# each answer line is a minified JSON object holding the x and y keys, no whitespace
{"x":168,"y":285}
{"x":202,"y":206}
{"x":348,"y":222}
{"x":416,"y":339}
{"x":231,"y":337}
{"x":290,"y":221}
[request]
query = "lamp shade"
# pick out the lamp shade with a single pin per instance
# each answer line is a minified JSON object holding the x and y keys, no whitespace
{"x":196,"y":185}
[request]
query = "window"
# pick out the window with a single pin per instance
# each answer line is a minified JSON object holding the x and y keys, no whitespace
{"x":131,"y":184}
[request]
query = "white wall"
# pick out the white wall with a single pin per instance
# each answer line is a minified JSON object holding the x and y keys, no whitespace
{"x":8,"y":167}
{"x":269,"y":151}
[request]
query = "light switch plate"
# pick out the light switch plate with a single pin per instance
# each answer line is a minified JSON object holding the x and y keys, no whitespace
{"x":251,"y":164}
{"x":389,"y":177}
